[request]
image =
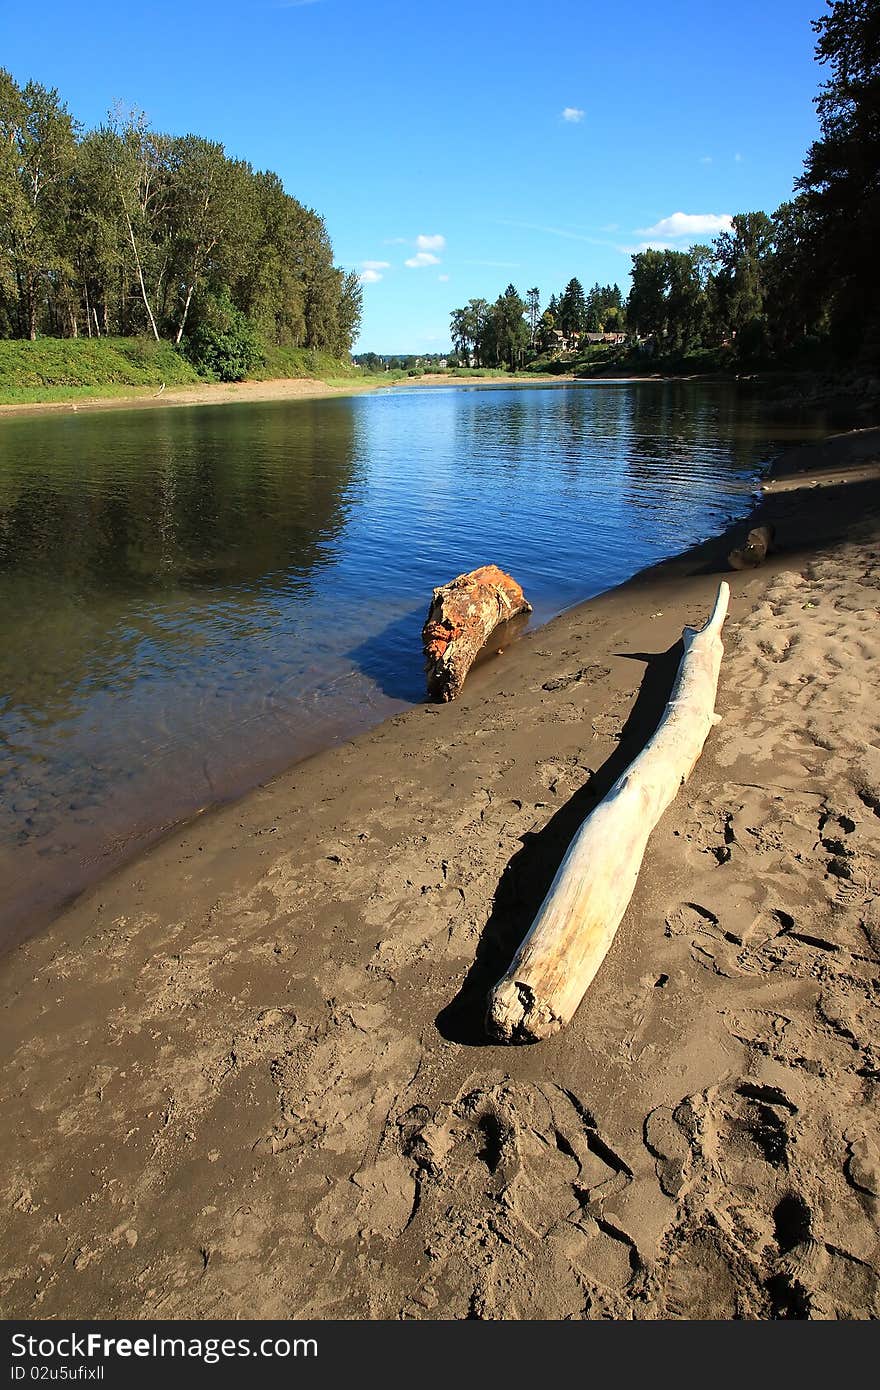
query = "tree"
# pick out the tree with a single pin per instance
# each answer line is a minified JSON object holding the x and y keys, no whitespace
{"x":505,"y":335}
{"x":840,"y":181}
{"x":533,"y":308}
{"x":667,"y":301}
{"x":572,"y":313}
{"x":37,"y":135}
{"x":128,"y":230}
{"x":546,"y":329}
{"x":201,"y":209}
{"x":798,"y":288}
{"x":468,"y":328}
{"x":646,"y":309}
{"x":743,"y":255}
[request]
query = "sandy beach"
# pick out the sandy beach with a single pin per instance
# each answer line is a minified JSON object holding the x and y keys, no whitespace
{"x":246,"y":1075}
{"x":279,"y":389}
{"x":208,"y":393}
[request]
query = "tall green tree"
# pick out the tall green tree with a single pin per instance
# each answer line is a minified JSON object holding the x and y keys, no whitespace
{"x":506,"y":334}
{"x":533,"y":309}
{"x":37,"y":135}
{"x":668,"y":300}
{"x":572,"y":314}
{"x":743,"y":255}
{"x":841,"y":178}
{"x":468,"y":326}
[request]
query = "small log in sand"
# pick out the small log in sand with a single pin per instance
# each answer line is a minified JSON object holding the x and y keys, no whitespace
{"x":576,"y":923}
{"x":754,"y":552}
{"x":462,"y":616}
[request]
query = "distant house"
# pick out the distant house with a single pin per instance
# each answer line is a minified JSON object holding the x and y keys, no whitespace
{"x":565,"y":342}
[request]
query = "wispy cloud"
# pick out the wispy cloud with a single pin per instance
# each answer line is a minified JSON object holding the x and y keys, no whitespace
{"x":369,"y":277}
{"x":443,"y":279}
{"x":567,"y":233}
{"x":430,"y":243}
{"x":688,"y":225}
{"x":705,"y":159}
{"x":573,"y":114}
{"x":495,"y":265}
{"x":294,"y":4}
{"x":422,"y":258}
{"x":375,"y":265}
{"x":737,"y":158}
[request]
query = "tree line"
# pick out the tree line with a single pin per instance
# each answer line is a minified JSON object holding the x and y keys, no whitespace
{"x":510,"y":331}
{"x":123,"y":230}
{"x":805,"y":273}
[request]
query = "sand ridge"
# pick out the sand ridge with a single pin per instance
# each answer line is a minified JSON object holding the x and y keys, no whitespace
{"x":247,"y":1074}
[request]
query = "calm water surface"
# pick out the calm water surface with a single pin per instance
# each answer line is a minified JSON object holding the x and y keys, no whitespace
{"x":191,"y":598}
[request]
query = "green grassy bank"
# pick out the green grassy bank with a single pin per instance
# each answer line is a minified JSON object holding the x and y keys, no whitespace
{"x":70,"y":369}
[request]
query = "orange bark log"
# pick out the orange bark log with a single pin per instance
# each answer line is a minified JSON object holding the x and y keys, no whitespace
{"x":462,"y":616}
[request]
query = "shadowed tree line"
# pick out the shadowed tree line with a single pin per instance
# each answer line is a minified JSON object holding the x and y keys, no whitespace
{"x":805,"y":275}
{"x":124,"y":230}
{"x":809,"y":270}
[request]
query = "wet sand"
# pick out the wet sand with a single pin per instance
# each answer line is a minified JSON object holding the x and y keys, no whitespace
{"x":247,"y":1074}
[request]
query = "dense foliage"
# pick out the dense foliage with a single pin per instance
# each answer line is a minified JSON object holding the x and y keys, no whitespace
{"x":770,"y":285}
{"x":124,"y":231}
{"x":510,"y":331}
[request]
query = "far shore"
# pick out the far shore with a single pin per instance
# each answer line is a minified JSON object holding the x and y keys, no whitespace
{"x":284,"y":389}
{"x":314,"y":388}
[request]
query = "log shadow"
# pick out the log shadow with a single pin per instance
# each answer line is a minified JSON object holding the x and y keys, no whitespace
{"x":529,"y":873}
{"x":393,"y":658}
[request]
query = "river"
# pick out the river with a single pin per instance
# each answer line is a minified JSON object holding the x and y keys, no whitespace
{"x":193,"y":598}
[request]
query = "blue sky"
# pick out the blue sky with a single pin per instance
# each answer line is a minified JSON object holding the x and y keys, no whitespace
{"x":454,"y":148}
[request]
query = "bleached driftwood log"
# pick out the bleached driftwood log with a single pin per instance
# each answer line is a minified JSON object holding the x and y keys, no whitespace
{"x":754,"y":552}
{"x":462,"y":616}
{"x":576,"y":923}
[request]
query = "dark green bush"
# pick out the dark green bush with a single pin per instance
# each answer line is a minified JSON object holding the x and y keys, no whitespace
{"x":222,"y":344}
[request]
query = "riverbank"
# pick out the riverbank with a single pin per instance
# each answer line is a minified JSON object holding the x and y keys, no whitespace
{"x":238,"y":392}
{"x":247,"y":1074}
{"x":205,"y":393}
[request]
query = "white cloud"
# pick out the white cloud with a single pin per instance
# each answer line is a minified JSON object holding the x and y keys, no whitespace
{"x":573,"y":114}
{"x":422,"y":258}
{"x":443,"y":278}
{"x":705,"y":159}
{"x":688,"y":225}
{"x":376,"y":265}
{"x":430,"y":243}
{"x":369,"y":276}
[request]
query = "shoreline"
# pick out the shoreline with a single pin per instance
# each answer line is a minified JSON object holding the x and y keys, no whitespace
{"x":248,"y":1071}
{"x":822,"y":388}
{"x":310,"y":388}
{"x":242,"y":392}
